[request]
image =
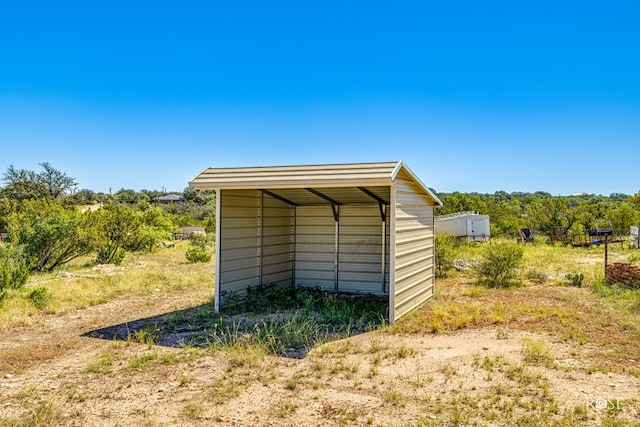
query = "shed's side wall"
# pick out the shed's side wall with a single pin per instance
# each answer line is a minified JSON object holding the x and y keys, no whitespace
{"x":315,"y":247}
{"x":414,"y":248}
{"x":239,"y":236}
{"x":277,"y":242}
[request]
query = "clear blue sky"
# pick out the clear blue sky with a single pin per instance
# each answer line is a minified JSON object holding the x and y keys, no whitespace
{"x":472,"y":95}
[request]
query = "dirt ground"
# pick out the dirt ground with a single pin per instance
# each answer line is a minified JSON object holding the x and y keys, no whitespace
{"x":51,"y":375}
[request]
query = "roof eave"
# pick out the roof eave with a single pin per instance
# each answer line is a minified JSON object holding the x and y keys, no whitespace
{"x":299,"y":184}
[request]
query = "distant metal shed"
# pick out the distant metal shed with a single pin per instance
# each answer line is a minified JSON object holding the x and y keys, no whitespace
{"x":362,"y":228}
{"x":468,"y":225}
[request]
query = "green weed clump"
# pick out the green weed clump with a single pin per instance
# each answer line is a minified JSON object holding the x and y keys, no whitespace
{"x":149,"y":335}
{"x":536,"y":276}
{"x":103,"y":365}
{"x":40,"y":297}
{"x":43,"y":413}
{"x":329,"y":308}
{"x":142,"y":361}
{"x":291,"y":321}
{"x":536,"y":352}
{"x":575,"y":279}
{"x":498,"y":265}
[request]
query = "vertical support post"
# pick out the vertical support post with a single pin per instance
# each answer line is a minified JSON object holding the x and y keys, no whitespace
{"x":433,"y":263}
{"x":336,"y":214}
{"x":260,"y":235}
{"x":383,"y":269}
{"x":295,"y":243}
{"x":391,"y":215}
{"x":606,"y":255}
{"x":216,"y":304}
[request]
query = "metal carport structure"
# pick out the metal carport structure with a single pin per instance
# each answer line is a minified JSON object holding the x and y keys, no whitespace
{"x":361,"y":228}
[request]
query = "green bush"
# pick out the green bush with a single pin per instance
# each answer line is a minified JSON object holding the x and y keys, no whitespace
{"x":575,"y":279}
{"x":536,"y":276}
{"x":446,"y":249}
{"x":50,"y":234}
{"x":198,"y":249}
{"x":106,"y":257}
{"x":14,"y":269}
{"x":40,"y":297}
{"x":197,"y":255}
{"x":498,"y":265}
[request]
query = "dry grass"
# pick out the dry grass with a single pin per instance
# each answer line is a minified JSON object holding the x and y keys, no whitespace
{"x":592,"y":314}
{"x":82,"y":284}
{"x":18,"y":359}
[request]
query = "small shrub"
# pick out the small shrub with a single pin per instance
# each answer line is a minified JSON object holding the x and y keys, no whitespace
{"x":536,"y":276}
{"x":197,"y":255}
{"x":14,"y":269}
{"x":105,"y":256}
{"x":445,"y":253}
{"x":40,"y":297}
{"x":575,"y":279}
{"x":497,"y":267}
{"x":198,"y":249}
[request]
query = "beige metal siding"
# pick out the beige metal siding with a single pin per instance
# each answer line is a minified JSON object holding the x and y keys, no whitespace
{"x":360,"y":250}
{"x":315,"y":247}
{"x":414,"y":247}
{"x":239,"y":235}
{"x":277,"y":242}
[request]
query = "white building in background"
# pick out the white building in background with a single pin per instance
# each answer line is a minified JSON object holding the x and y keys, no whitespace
{"x":469,"y":225}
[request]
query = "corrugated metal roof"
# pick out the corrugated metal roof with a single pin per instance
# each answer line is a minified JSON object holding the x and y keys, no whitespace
{"x":306,"y":176}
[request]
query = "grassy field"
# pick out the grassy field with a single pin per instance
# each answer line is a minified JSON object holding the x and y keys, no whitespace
{"x":545,"y":353}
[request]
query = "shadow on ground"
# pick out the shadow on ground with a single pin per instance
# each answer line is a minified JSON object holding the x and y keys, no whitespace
{"x":187,"y":327}
{"x":200,"y":326}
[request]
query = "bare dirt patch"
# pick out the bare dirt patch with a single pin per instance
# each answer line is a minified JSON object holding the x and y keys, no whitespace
{"x":55,"y":371}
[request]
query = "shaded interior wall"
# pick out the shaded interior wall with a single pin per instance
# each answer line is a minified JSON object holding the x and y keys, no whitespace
{"x":239,"y":234}
{"x":359,"y":251}
{"x":266,"y":241}
{"x":315,"y":247}
{"x":277,"y":242}
{"x":414,"y":248}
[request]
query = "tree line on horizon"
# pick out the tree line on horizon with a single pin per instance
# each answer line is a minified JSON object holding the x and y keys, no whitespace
{"x":45,"y":226}
{"x":541,"y":211}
